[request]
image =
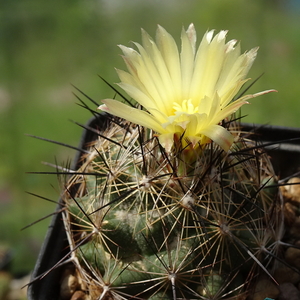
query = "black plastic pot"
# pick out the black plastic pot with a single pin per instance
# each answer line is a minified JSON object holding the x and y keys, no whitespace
{"x":55,"y":246}
{"x":282,"y":144}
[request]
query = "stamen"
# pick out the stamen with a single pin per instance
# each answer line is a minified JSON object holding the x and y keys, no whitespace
{"x":186,"y":107}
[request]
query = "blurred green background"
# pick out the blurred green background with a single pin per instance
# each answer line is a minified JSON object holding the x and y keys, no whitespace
{"x":46,"y":46}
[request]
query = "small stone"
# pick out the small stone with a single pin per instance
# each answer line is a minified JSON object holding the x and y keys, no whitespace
{"x":95,"y":291}
{"x":17,"y":289}
{"x":294,"y":188}
{"x":69,"y":285}
{"x":288,"y":292}
{"x":292,"y":257}
{"x":265,"y":288}
{"x":294,"y":230}
{"x":289,"y":213}
{"x":79,"y":295}
{"x":285,"y":274}
{"x":82,"y":285}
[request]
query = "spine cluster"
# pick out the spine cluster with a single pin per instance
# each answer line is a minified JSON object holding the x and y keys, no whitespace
{"x":143,"y":223}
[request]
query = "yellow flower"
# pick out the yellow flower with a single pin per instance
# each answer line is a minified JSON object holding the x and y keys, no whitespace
{"x":184,"y":94}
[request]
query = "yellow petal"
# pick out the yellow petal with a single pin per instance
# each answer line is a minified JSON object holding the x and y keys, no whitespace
{"x":220,"y":136}
{"x":138,"y":95}
{"x":208,"y":65}
{"x":187,"y":55}
{"x":169,"y":51}
{"x":131,"y":114}
{"x":234,"y":106}
{"x":160,"y":74}
{"x":167,"y":141}
{"x":234,"y":72}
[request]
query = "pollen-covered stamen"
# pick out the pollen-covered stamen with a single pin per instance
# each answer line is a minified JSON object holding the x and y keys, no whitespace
{"x":185,"y":107}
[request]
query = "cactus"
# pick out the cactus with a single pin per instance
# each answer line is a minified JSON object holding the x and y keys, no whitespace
{"x":147,"y":224}
{"x":174,"y":201}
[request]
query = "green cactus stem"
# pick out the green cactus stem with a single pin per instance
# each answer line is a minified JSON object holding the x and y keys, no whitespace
{"x":162,"y":226}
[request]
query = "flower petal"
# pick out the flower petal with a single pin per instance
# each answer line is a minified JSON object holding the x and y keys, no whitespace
{"x":219,"y":135}
{"x":169,"y":51}
{"x":187,"y":55}
{"x":167,"y":140}
{"x":138,"y":95}
{"x":208,"y":64}
{"x":160,"y":74}
{"x":131,"y":114}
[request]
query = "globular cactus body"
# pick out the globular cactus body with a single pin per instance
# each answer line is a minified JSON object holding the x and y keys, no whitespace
{"x":149,"y":224}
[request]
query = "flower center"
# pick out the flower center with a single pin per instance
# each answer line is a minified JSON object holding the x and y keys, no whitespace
{"x":185,"y":107}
